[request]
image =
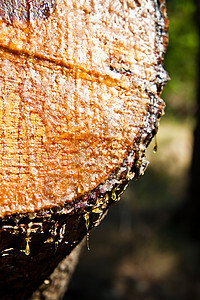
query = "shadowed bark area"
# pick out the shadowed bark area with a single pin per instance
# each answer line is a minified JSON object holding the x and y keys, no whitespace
{"x":56,"y":285}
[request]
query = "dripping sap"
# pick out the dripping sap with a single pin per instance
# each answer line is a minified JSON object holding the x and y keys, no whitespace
{"x":87,"y":224}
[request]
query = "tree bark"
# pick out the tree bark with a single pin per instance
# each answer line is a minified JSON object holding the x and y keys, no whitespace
{"x":56,"y":285}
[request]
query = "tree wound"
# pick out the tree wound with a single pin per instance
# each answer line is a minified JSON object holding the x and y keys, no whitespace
{"x":118,"y":65}
{"x":25,"y":10}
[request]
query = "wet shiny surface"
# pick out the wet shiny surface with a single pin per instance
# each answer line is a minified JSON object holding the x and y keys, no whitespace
{"x":74,"y":97}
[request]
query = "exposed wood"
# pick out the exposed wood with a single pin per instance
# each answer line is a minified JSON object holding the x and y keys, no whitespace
{"x":79,"y":103}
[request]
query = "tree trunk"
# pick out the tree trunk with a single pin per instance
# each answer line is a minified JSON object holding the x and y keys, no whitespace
{"x":188,"y":215}
{"x":56,"y":285}
{"x":194,"y":206}
{"x":80,"y":85}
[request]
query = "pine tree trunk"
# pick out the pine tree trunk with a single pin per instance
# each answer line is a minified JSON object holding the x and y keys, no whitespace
{"x":56,"y":285}
{"x":80,"y":101}
{"x":188,"y":214}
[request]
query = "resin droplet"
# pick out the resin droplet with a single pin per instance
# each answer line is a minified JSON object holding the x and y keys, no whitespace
{"x":113,"y":196}
{"x":155,"y":147}
{"x":80,"y":189}
{"x":87,"y":223}
{"x":27,"y":250}
{"x":56,"y":246}
{"x":97,"y":210}
{"x":106,"y":198}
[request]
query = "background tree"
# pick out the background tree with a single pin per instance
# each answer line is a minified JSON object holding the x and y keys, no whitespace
{"x":191,"y":207}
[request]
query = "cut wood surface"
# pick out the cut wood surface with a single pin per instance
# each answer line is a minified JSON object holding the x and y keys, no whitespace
{"x":79,"y":103}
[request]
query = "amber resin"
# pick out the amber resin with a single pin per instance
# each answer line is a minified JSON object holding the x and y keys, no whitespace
{"x":76,"y":87}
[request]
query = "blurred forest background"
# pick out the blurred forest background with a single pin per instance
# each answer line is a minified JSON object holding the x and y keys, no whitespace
{"x":145,"y":248}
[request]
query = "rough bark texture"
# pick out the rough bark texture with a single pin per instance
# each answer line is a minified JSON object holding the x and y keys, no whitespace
{"x":56,"y":285}
{"x":45,"y":214}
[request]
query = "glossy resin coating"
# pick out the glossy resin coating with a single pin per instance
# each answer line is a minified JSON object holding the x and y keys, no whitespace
{"x":75,"y":94}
